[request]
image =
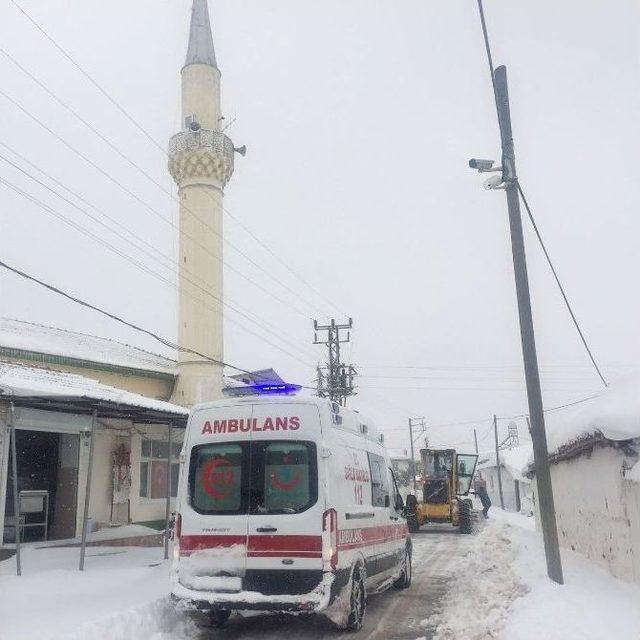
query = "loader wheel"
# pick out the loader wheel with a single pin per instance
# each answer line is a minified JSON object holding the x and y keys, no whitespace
{"x":357,"y":601}
{"x":218,"y":618}
{"x":464,"y":516}
{"x":404,"y":581}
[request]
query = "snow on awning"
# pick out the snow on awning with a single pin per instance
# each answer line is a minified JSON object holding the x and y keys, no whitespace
{"x":31,"y":386}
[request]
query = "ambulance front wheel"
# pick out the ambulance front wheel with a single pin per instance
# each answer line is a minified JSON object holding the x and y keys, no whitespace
{"x":404,"y":581}
{"x":357,"y":601}
{"x":218,"y":618}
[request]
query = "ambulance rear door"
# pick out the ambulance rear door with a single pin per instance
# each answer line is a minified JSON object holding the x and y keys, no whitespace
{"x":287,"y":503}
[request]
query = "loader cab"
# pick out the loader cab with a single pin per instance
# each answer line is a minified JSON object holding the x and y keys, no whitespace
{"x":439,"y":467}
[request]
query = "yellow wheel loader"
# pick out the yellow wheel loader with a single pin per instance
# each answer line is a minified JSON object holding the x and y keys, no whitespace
{"x":447,"y":477}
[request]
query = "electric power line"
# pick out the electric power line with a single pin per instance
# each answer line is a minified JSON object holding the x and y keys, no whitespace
{"x":137,"y":263}
{"x":137,"y":124}
{"x":557,"y":279}
{"x":230,"y":304}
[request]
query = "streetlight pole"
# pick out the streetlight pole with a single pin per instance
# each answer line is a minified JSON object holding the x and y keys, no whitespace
{"x":532,"y":375}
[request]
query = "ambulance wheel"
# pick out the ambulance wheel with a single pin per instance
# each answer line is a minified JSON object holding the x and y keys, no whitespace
{"x":464,"y":516}
{"x":218,"y":618}
{"x":357,"y":601}
{"x":404,"y":581}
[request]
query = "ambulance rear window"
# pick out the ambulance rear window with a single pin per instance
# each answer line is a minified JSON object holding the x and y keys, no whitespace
{"x":216,"y":477}
{"x":263,"y":477}
{"x":286,"y":471}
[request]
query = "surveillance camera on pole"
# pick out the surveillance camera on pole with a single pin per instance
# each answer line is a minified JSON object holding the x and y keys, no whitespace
{"x":483,"y":166}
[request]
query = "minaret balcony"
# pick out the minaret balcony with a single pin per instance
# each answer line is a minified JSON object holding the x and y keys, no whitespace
{"x":202,"y":155}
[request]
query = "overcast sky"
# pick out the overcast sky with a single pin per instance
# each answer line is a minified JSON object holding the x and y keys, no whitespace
{"x":359,"y":118}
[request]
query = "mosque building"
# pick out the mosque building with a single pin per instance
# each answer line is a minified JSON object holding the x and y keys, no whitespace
{"x":54,"y":377}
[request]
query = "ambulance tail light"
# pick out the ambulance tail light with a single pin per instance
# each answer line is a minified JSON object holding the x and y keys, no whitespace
{"x":330,"y":537}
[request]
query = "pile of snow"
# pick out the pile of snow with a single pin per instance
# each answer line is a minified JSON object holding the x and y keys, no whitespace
{"x":484,"y":589}
{"x":21,"y":380}
{"x":28,"y":336}
{"x":615,"y":413}
{"x":121,"y":595}
{"x":501,"y":591}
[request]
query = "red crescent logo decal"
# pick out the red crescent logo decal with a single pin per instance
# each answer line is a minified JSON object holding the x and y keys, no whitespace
{"x":212,"y":477}
{"x":285,"y":486}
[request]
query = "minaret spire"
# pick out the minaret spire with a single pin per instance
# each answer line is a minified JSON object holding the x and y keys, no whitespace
{"x":200,"y":49}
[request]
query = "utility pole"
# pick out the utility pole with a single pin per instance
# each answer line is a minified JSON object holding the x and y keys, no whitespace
{"x":534,"y":394}
{"x":495,"y":435}
{"x":413,"y":459}
{"x":335,"y":380}
{"x":475,"y":439}
{"x":419,"y":422}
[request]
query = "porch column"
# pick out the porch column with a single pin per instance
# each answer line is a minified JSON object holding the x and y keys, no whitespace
{"x":168,"y":503}
{"x":87,"y":495}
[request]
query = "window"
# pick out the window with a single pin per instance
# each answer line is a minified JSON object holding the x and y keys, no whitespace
{"x":379,"y":481}
{"x":216,"y":478}
{"x":264,"y":477}
{"x":466,"y":467}
{"x":153,"y":468}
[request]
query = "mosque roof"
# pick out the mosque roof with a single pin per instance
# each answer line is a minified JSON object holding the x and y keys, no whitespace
{"x":18,"y":336}
{"x":200,"y":49}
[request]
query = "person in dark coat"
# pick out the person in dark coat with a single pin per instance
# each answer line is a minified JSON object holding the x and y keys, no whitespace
{"x":481,"y":491}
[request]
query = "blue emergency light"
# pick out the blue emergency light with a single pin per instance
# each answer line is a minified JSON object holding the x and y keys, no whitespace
{"x":259,"y":389}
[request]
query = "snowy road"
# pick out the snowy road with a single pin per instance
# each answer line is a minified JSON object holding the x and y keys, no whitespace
{"x":393,"y":615}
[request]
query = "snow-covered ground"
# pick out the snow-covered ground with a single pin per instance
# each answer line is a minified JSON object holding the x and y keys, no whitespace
{"x":501,"y":591}
{"x":498,"y":590}
{"x":121,"y":595}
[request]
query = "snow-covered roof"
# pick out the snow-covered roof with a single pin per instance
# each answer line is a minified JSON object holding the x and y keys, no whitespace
{"x":21,"y":380}
{"x":27,"y":336}
{"x":614,"y":413}
{"x":515,"y":460}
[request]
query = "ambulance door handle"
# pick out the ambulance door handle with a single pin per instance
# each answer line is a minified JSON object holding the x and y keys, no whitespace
{"x":266,"y":529}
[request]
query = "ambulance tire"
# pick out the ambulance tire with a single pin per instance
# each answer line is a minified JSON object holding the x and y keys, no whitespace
{"x":464,"y":515}
{"x":404,"y":581}
{"x":218,"y":618}
{"x":357,"y":601}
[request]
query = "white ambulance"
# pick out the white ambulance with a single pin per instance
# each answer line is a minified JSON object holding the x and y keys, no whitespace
{"x":286,"y":504}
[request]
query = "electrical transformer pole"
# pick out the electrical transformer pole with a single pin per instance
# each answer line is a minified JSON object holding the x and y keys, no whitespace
{"x":338,"y":381}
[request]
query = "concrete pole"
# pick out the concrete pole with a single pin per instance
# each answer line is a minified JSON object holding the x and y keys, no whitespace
{"x":534,"y":394}
{"x":495,"y":435}
{"x":167,"y":516}
{"x":413,"y":460}
{"x":16,"y":501}
{"x":87,"y":494}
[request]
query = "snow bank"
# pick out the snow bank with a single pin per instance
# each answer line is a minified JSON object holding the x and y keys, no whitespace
{"x":121,"y":595}
{"x":484,"y":589}
{"x":615,"y":413}
{"x":501,"y":591}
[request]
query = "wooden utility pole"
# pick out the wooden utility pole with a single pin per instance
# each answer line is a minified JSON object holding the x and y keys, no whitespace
{"x":532,"y":375}
{"x":475,"y":439}
{"x":495,"y":434}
